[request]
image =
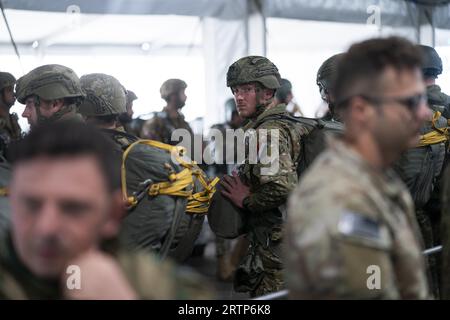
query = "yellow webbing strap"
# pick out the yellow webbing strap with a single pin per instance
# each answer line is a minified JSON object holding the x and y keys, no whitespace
{"x":180,"y":184}
{"x":438,"y":135}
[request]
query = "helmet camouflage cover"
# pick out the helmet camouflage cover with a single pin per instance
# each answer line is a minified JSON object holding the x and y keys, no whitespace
{"x":104,"y":95}
{"x":432,"y":63}
{"x":171,"y":86}
{"x":254,"y":69}
{"x":6,"y":80}
{"x":49,"y":82}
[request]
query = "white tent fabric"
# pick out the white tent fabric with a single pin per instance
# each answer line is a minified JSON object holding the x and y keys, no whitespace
{"x":209,"y":34}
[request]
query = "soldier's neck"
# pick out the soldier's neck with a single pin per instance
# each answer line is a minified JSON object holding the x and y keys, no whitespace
{"x":369,"y":150}
{"x":172,"y":110}
{"x":430,"y":82}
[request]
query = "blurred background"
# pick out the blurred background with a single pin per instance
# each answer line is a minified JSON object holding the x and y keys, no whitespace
{"x":144,"y":42}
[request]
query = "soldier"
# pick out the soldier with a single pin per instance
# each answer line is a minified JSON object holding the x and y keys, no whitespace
{"x":66,"y":212}
{"x":50,"y":93}
{"x":126,"y":118}
{"x":9,"y":125}
{"x":351,"y":231}
{"x":325,"y":82}
{"x":9,"y":132}
{"x":253,"y":81}
{"x":420,"y":167}
{"x":161,"y":126}
{"x":284,"y":95}
{"x":155,"y":221}
{"x":431,"y":69}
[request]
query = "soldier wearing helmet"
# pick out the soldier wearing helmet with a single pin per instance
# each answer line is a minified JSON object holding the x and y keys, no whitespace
{"x":9,"y":125}
{"x":126,"y":118}
{"x":420,"y":168}
{"x":284,"y":95}
{"x":429,"y":215}
{"x":148,"y":221}
{"x":431,"y":69}
{"x":161,"y":126}
{"x":50,"y":93}
{"x":261,"y":195}
{"x":325,"y":82}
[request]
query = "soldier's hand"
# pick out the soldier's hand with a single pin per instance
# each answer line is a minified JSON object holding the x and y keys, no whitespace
{"x":235,"y":190}
{"x":100,"y":277}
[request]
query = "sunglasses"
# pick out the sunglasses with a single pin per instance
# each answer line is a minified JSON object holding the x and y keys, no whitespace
{"x":412,"y":102}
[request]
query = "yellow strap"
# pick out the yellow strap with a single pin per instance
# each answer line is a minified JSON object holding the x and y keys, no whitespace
{"x":438,"y":135}
{"x":178,"y":184}
{"x":199,"y":202}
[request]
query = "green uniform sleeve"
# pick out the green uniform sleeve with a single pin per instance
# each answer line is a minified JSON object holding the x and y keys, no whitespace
{"x":272,"y":182}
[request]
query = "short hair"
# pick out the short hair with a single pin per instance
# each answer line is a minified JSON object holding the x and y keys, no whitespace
{"x":361,"y":67}
{"x":70,"y":139}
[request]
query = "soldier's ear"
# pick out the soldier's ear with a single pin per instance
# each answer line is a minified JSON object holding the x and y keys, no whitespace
{"x":57,"y":104}
{"x":114,"y":217}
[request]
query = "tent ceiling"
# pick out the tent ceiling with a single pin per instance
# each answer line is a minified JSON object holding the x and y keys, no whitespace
{"x":393,"y":12}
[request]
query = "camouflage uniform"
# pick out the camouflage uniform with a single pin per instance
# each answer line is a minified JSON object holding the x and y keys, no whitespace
{"x":149,"y":277}
{"x":153,"y":220}
{"x":344,"y":217}
{"x":161,"y":126}
{"x":9,"y":125}
{"x":260,"y":271}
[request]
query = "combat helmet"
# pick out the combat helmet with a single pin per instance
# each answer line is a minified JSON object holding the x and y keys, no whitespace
{"x":432,"y":63}
{"x":49,"y":82}
{"x":254,"y":69}
{"x":327,"y":73}
{"x":171,"y":86}
{"x":6,"y":80}
{"x":104,"y":95}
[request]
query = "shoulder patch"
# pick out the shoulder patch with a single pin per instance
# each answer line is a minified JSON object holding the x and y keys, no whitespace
{"x":358,"y":225}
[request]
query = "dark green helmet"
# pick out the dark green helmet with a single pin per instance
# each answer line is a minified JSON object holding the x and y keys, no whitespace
{"x":49,"y":82}
{"x":171,"y":86}
{"x":254,"y":69}
{"x":131,"y":96}
{"x":283,"y":92}
{"x":6,"y":80}
{"x":104,"y":95}
{"x":432,"y":63}
{"x":327,"y":73}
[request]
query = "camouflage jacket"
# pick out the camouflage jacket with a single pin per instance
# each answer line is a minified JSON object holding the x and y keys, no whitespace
{"x":269,"y":191}
{"x":149,"y":277}
{"x":10,"y":129}
{"x":161,"y":126}
{"x":352,"y":233}
{"x":268,"y":194}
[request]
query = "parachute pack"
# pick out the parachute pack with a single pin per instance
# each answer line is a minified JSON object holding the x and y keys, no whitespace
{"x":420,"y":167}
{"x":167,"y":196}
